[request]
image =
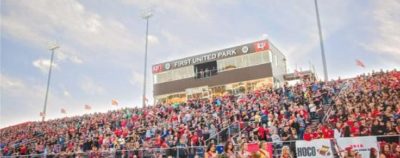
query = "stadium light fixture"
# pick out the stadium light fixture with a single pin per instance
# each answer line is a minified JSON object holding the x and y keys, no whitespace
{"x":52,"y":47}
{"x":146,"y":15}
{"x":321,"y":43}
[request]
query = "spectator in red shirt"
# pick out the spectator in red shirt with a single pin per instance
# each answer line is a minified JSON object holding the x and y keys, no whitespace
{"x":261,"y":132}
{"x":308,"y":135}
{"x":118,"y":132}
{"x":23,"y":150}
{"x":328,"y":133}
{"x":355,"y":130}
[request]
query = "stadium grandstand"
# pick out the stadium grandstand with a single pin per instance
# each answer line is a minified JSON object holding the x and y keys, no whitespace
{"x":250,"y":99}
{"x":308,"y":119}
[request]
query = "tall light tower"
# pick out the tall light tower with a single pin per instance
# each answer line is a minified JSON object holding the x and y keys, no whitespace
{"x":52,"y":48}
{"x":146,"y":16}
{"x":321,"y":43}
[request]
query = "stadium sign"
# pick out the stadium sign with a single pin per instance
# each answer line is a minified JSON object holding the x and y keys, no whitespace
{"x":361,"y":145}
{"x":216,"y":55}
{"x":320,"y":148}
{"x":205,"y":58}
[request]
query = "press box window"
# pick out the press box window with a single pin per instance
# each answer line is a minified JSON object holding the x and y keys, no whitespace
{"x":205,"y":69}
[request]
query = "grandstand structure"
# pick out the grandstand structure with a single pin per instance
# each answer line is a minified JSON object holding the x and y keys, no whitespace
{"x":233,"y":70}
{"x":355,"y":117}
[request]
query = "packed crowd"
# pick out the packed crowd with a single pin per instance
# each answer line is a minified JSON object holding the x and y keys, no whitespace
{"x":364,"y":105}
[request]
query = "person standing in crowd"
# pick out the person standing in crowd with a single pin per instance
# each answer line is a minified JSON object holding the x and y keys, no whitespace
{"x":243,"y":153}
{"x":396,"y":151}
{"x":373,"y":153}
{"x":207,"y":73}
{"x":376,"y":129}
{"x":386,"y":152}
{"x":286,"y":153}
{"x":211,"y":151}
{"x":286,"y":135}
{"x":302,"y":126}
{"x":263,"y":150}
{"x":201,"y":73}
{"x":192,"y":149}
{"x":182,"y":149}
{"x":308,"y":135}
{"x":212,"y":132}
{"x":229,"y":150}
{"x":346,"y":131}
{"x":276,"y":139}
{"x":261,"y":132}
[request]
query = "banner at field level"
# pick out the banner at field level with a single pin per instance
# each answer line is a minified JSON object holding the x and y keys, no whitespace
{"x":362,"y":145}
{"x":315,"y":148}
{"x":269,"y":149}
{"x":253,"y":147}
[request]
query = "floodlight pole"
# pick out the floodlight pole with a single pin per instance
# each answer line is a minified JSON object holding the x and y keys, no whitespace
{"x":321,"y":43}
{"x":48,"y":81}
{"x":146,"y":16}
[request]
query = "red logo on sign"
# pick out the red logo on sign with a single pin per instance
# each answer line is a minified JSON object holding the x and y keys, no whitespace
{"x":157,"y":68}
{"x":260,"y":46}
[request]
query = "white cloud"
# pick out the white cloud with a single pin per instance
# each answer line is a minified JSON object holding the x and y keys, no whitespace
{"x":302,"y":46}
{"x":66,"y":93}
{"x":198,"y":11}
{"x":22,"y":32}
{"x":387,"y":33}
{"x":43,"y":65}
{"x":76,"y":60}
{"x":172,"y":38}
{"x":264,"y":36}
{"x":62,"y":56}
{"x":189,"y":9}
{"x":137,"y":78}
{"x":89,"y":86}
{"x":18,"y":94}
{"x":9,"y":82}
{"x":70,"y":23}
{"x":152,"y":39}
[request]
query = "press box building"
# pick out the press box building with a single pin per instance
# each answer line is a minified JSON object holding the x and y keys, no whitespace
{"x":231,"y":70}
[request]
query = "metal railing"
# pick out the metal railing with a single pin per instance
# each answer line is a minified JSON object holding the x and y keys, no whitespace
{"x":224,"y":133}
{"x":192,"y":151}
{"x":178,"y":151}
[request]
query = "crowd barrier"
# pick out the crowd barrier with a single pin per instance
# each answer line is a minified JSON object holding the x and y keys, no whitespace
{"x":365,"y":147}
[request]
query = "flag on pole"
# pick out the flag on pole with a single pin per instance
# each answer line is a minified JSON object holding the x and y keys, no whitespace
{"x":360,"y":63}
{"x":41,"y":114}
{"x":296,"y":73}
{"x":63,"y":111}
{"x":87,"y":107}
{"x":114,"y":102}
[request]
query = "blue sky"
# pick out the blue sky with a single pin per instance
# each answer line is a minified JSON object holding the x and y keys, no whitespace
{"x":102,"y":44}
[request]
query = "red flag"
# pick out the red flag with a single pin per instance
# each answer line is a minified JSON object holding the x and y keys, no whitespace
{"x":296,"y":73}
{"x":63,"y":111}
{"x":360,"y":63}
{"x":114,"y":102}
{"x":88,"y":107}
